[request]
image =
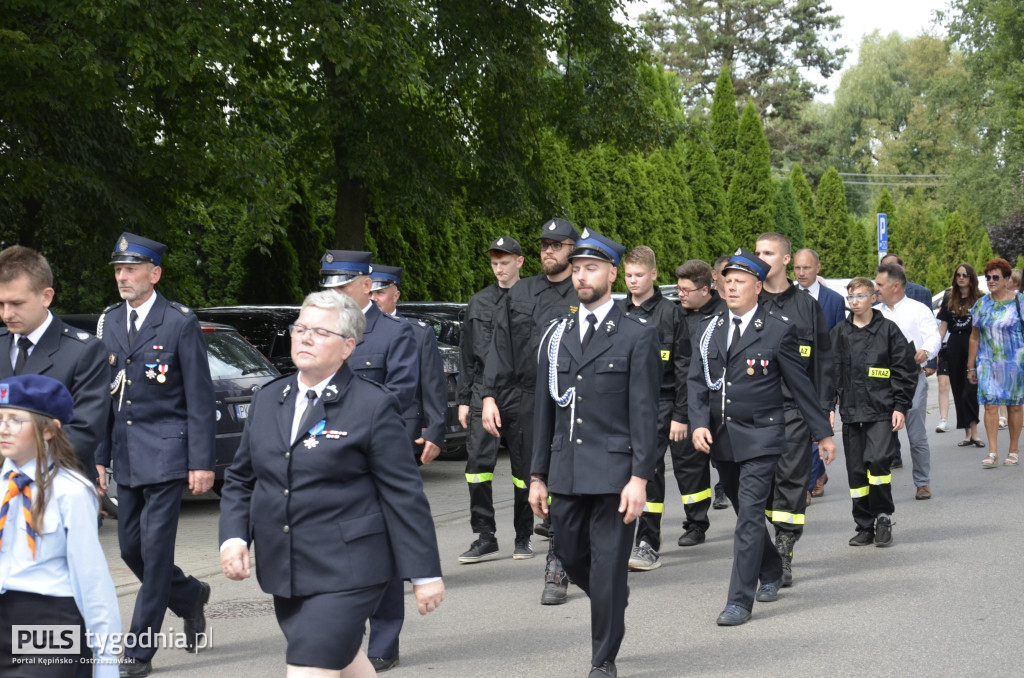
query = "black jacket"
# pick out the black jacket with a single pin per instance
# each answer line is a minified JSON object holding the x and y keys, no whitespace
{"x":693,"y":319}
{"x":812,"y":338}
{"x":475,"y":342}
{"x":874,"y":370}
{"x":667,"y":318}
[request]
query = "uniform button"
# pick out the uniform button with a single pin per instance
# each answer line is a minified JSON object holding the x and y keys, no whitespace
{"x":129,"y":382}
{"x":286,"y":529}
{"x":128,"y":361}
{"x":579,"y":399}
{"x":286,"y":492}
{"x":368,"y":363}
{"x":611,"y":365}
{"x":728,"y":383}
{"x":287,"y":455}
{"x":771,"y":418}
{"x":128,"y":402}
{"x":728,"y":418}
{"x":579,"y":421}
{"x":579,"y":377}
{"x":728,"y":402}
{"x":129,"y":422}
{"x":579,"y":442}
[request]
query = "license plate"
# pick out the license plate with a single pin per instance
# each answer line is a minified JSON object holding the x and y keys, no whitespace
{"x":242,"y":410}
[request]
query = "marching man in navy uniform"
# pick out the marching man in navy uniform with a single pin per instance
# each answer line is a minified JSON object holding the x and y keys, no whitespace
{"x":737,"y":414}
{"x":161,"y":433}
{"x":595,"y":438}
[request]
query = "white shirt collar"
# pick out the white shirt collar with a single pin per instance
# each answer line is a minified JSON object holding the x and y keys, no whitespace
{"x":28,"y":469}
{"x":813,"y":290}
{"x":744,"y":321}
{"x":600,"y":313}
{"x":300,"y":400}
{"x":143,"y":310}
{"x":34,"y":336}
{"x":366,"y":309}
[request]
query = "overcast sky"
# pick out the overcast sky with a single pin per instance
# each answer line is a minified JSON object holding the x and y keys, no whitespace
{"x":910,"y":18}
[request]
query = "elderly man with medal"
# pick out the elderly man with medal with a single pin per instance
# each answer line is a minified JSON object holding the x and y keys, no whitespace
{"x":737,"y":415}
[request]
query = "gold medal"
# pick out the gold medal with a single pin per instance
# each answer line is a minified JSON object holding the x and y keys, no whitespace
{"x":750,"y":371}
{"x":161,"y":378}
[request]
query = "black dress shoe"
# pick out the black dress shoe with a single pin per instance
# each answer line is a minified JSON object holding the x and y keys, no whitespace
{"x":607,"y":668}
{"x":691,"y":537}
{"x":383,"y":663}
{"x":733,"y":615}
{"x":130,"y":667}
{"x":543,"y":529}
{"x":720,"y":501}
{"x":195,"y":623}
{"x":769,"y":592}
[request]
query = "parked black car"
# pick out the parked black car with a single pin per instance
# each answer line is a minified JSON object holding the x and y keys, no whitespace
{"x":238,"y":370}
{"x":267,"y":328}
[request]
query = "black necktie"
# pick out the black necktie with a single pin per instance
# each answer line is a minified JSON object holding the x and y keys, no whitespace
{"x":306,"y":413}
{"x":589,"y":333}
{"x":24,"y":344}
{"x":133,"y":330}
{"x":735,"y":335}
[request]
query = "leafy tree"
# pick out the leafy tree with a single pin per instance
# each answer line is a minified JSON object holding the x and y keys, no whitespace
{"x":918,"y":236}
{"x":862,"y":251}
{"x":751,"y":208}
{"x":955,"y":248}
{"x":832,"y":232}
{"x":725,"y":123}
{"x":708,"y":198}
{"x":788,"y":219}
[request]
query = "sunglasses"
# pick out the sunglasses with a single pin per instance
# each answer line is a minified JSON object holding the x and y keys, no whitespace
{"x":993,"y":278}
{"x":962,"y":275}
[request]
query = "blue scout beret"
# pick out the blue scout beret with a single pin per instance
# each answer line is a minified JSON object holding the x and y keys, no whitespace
{"x":39,"y":394}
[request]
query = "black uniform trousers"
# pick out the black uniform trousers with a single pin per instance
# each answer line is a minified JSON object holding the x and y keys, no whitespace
{"x":649,"y":524}
{"x":693,"y":476}
{"x":594,"y":546}
{"x":482,"y":451}
{"x":748,"y":485}
{"x":787,"y":506}
{"x":868,"y":450}
{"x":147,"y":526}
{"x":21,"y":607}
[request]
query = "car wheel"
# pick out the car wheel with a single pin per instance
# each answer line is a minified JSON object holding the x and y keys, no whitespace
{"x":108,"y":502}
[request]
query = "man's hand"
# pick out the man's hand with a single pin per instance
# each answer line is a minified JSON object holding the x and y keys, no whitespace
{"x":633,"y":499}
{"x":897,"y":421}
{"x":429,"y":596}
{"x":101,"y":482}
{"x":921,"y":356}
{"x":539,"y":498}
{"x":430,"y":450}
{"x":464,"y":416}
{"x":677,"y":431}
{"x":702,"y":440}
{"x":234,"y":561}
{"x":200,"y":482}
{"x":827,"y":449}
{"x":491,"y":417}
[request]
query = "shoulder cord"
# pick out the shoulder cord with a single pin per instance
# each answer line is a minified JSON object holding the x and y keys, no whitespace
{"x":567,"y":399}
{"x":705,"y":344}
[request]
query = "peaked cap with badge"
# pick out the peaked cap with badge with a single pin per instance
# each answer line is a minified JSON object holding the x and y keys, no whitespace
{"x":593,"y":245}
{"x":340,"y":267}
{"x":385,"y":276}
{"x":134,"y":249}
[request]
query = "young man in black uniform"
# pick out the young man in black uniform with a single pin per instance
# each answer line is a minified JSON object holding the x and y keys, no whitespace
{"x":743,"y":360}
{"x":646,"y":301}
{"x":511,"y":365}
{"x":595,"y":440}
{"x":692,"y":467}
{"x":506,"y":256}
{"x":788,"y":504}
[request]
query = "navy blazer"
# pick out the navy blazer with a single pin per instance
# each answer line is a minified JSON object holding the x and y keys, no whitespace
{"x":833,"y":305}
{"x":340,"y":508}
{"x":749,"y":404}
{"x":77,"y":360}
{"x":159,"y":429}
{"x":387,"y":354}
{"x":612,"y":433}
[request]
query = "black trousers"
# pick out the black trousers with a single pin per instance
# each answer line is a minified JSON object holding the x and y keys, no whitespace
{"x":147,"y":526}
{"x":867,"y":447}
{"x":20,"y":607}
{"x":482,"y":450}
{"x":693,"y":476}
{"x":594,"y":544}
{"x":787,"y":506}
{"x":748,"y":485}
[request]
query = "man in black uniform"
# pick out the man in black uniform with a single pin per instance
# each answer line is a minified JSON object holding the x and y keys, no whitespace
{"x":161,"y":432}
{"x":506,"y":257}
{"x":646,"y":301}
{"x":692,"y":467}
{"x":386,"y":354}
{"x":743,"y":359}
{"x":425,"y":419}
{"x":788,"y":505}
{"x":40,"y":343}
{"x":512,"y":364}
{"x":595,"y":441}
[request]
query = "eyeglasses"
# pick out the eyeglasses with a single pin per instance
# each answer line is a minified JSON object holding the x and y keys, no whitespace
{"x":684,"y":291}
{"x":993,"y":278}
{"x":855,"y":297}
{"x":12,"y":425}
{"x":553,"y":246}
{"x":319,"y":333}
{"x":963,"y":275}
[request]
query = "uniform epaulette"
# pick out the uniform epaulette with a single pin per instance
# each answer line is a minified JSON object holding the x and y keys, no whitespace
{"x":111,"y":307}
{"x":779,"y":316}
{"x":714,"y":317}
{"x":371,"y":381}
{"x":636,"y":318}
{"x":185,"y":310}
{"x":391,"y":317}
{"x":73,"y":333}
{"x":421,"y":323}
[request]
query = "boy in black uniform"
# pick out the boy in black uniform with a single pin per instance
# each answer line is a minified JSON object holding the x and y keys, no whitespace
{"x":788,"y":504}
{"x":646,"y":301}
{"x":875,"y":377}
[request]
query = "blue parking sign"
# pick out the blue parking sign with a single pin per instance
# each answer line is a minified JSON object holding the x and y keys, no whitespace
{"x":883,"y":232}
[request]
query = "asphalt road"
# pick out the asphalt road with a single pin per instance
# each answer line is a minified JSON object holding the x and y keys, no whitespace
{"x":946,"y":599}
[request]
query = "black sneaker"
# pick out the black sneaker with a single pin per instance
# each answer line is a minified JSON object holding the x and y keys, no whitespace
{"x":883,"y":530}
{"x":482,"y":549}
{"x":543,"y":529}
{"x":523,"y":550}
{"x":863,"y":538}
{"x":691,"y":537}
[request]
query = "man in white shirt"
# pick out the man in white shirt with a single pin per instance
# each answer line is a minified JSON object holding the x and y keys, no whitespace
{"x":919,"y":326}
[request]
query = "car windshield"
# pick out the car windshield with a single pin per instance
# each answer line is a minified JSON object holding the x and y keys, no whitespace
{"x":232,"y":356}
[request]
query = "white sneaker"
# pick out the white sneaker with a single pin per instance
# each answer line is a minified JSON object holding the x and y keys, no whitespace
{"x":942,"y":427}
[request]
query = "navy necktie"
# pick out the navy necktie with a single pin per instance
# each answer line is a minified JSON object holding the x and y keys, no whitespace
{"x":24,"y":344}
{"x":134,"y":329}
{"x":735,"y":335}
{"x":589,"y":333}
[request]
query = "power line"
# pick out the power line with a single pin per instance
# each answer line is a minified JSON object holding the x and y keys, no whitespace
{"x":906,"y":176}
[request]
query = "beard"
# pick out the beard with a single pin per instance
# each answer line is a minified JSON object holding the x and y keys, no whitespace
{"x":554,"y":267}
{"x":596,"y":291}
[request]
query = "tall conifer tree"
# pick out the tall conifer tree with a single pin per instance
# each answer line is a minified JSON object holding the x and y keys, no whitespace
{"x":751,"y":206}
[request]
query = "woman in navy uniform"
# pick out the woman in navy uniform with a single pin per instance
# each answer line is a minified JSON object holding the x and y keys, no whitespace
{"x":735,"y":391}
{"x":325,"y":483}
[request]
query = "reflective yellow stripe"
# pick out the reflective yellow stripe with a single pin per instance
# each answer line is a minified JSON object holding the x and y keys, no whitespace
{"x":665,"y":355}
{"x":517,"y":482}
{"x":805,"y":351}
{"x":654,"y":508}
{"x":857,"y":492}
{"x":791,"y":518}
{"x":694,"y":498}
{"x":768,"y":514}
{"x":880,"y":372}
{"x":474,"y":478}
{"x":879,"y":480}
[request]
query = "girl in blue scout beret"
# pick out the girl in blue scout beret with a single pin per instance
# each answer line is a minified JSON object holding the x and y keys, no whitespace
{"x":52,"y":567}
